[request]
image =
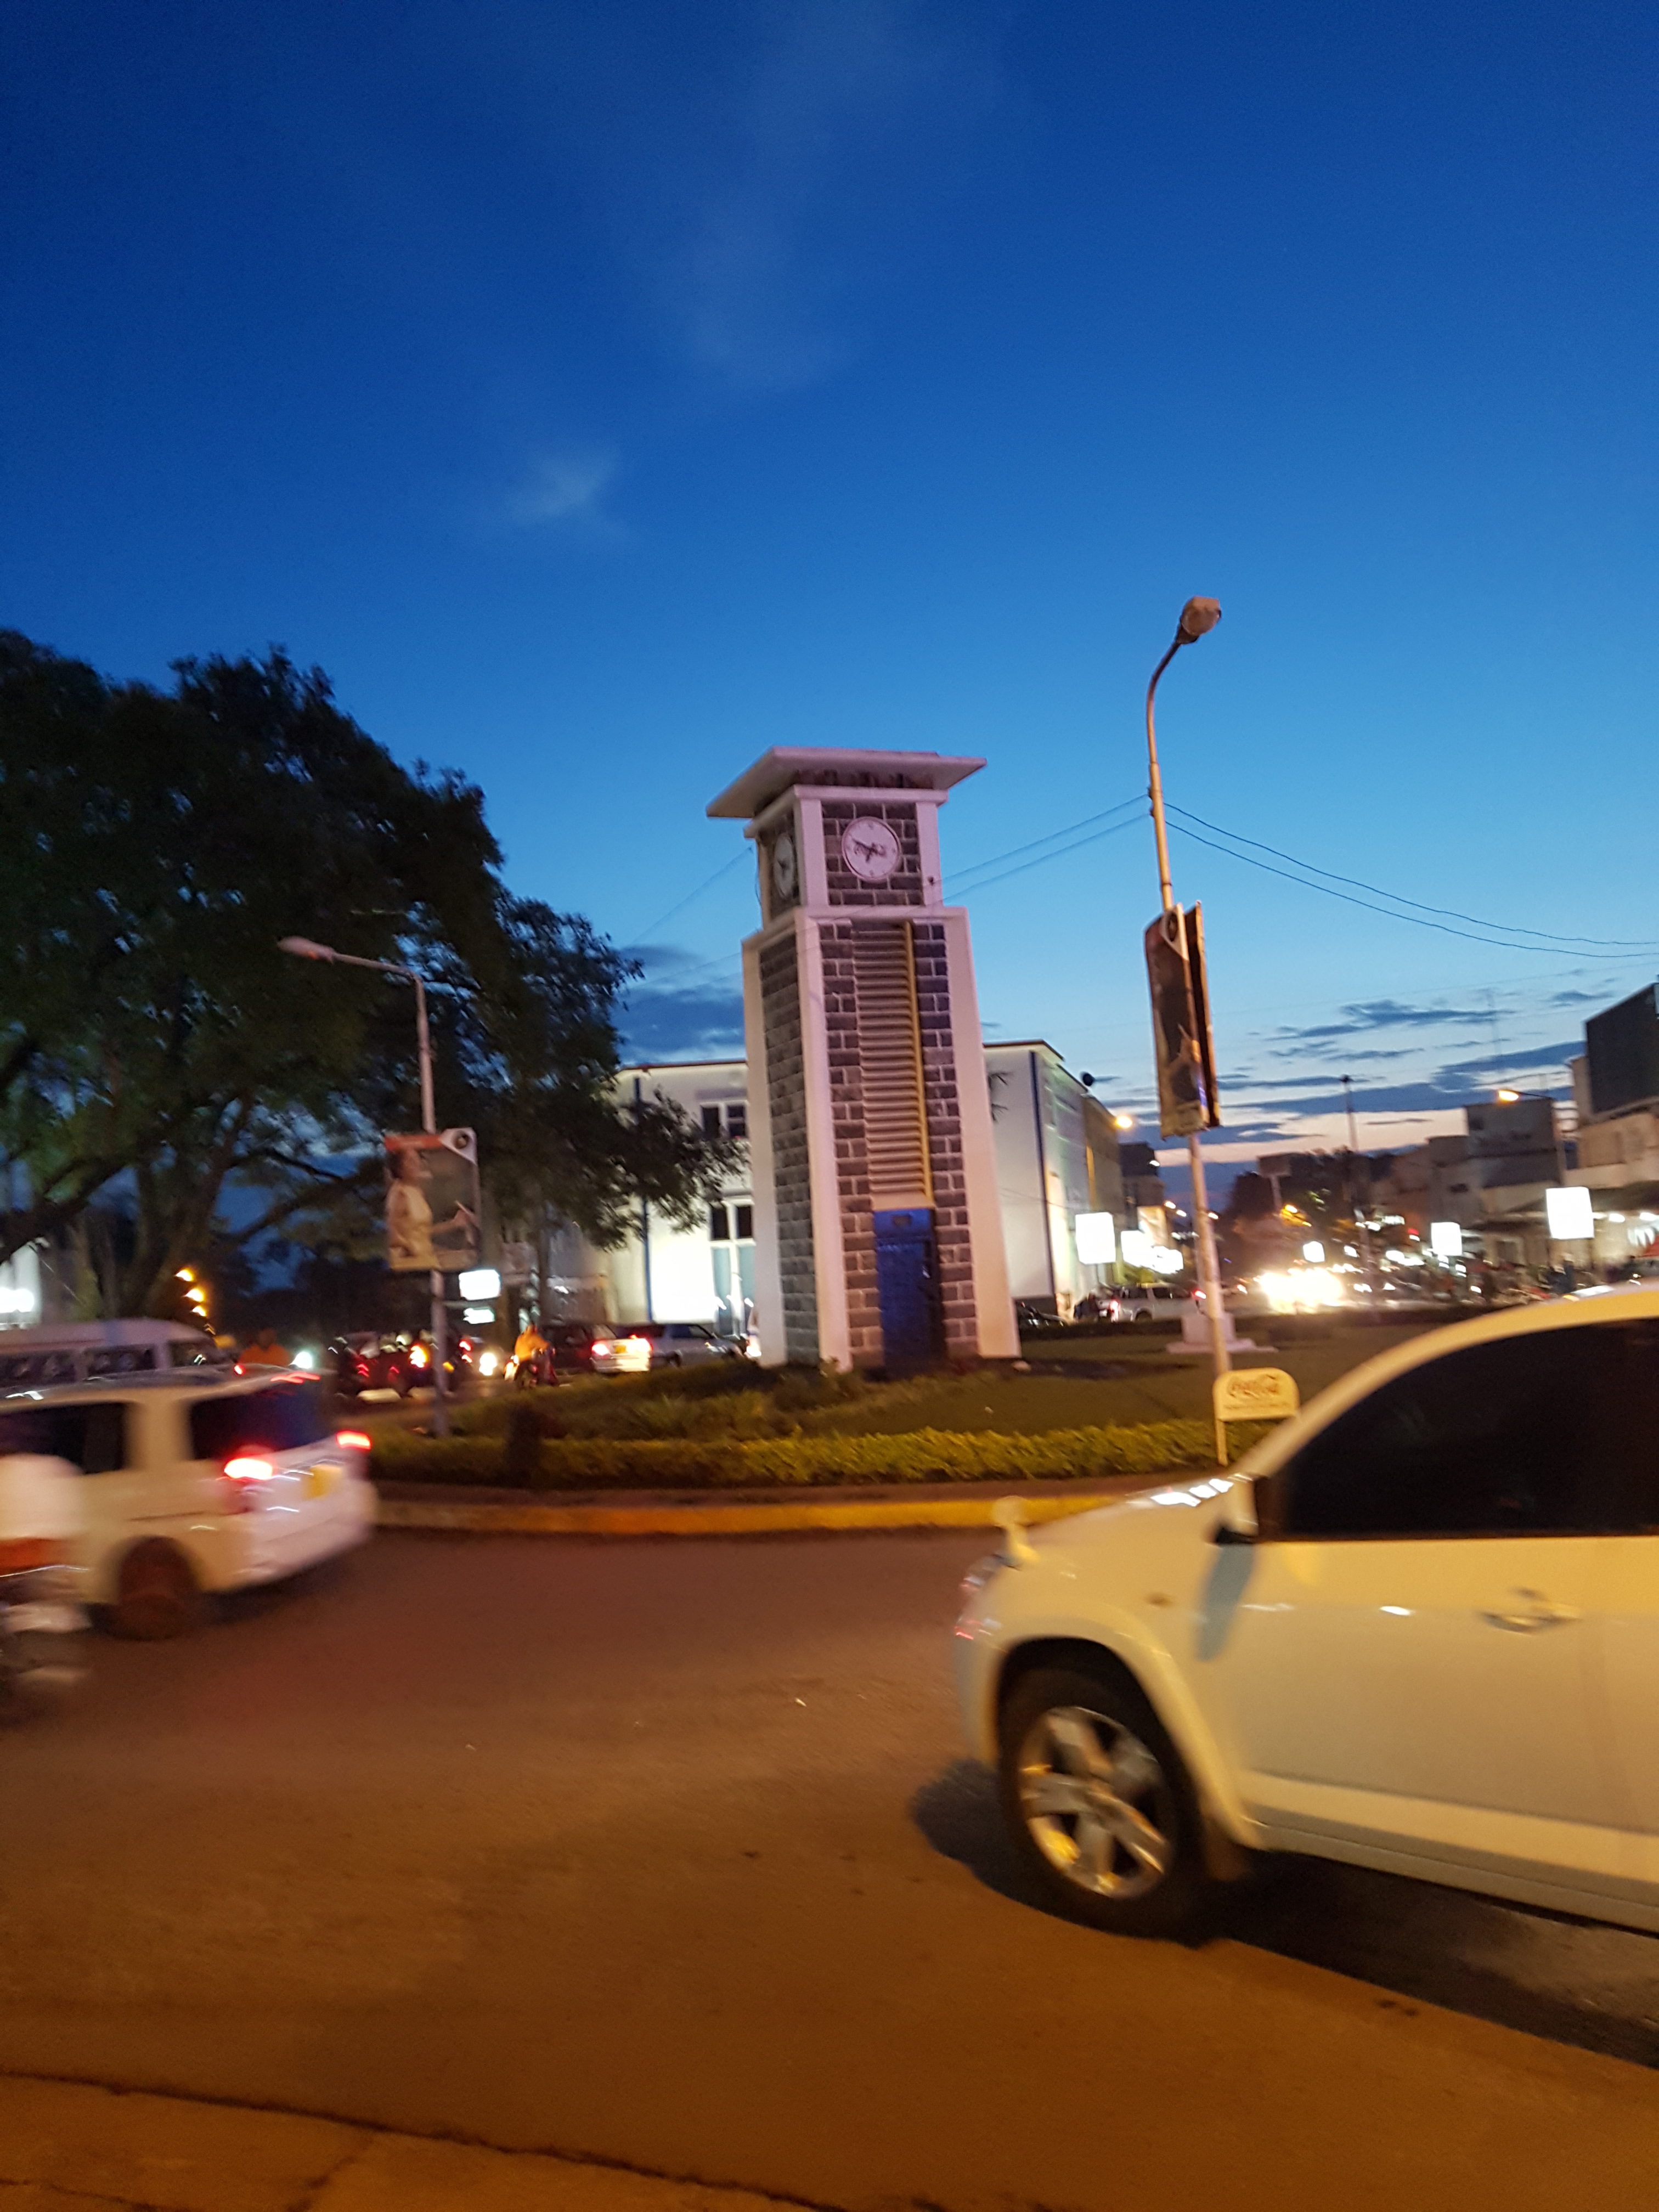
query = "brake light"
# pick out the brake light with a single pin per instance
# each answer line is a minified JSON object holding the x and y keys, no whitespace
{"x":362,"y":1367}
{"x":241,"y":1478}
{"x":351,"y":1440}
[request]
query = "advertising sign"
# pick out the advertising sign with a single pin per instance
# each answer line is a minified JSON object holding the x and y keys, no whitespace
{"x":431,"y":1201}
{"x":1252,"y":1394}
{"x":1097,"y":1239}
{"x":1180,"y":1024}
{"x":1568,"y":1211}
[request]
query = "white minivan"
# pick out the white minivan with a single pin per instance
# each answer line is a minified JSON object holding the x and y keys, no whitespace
{"x":77,"y":1351}
{"x":1417,"y":1629}
{"x":195,"y":1484}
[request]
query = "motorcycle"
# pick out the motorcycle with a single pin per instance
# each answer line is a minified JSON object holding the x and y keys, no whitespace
{"x":42,"y":1623}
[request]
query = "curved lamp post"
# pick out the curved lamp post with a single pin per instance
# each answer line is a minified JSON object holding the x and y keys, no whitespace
{"x":1197,"y":616}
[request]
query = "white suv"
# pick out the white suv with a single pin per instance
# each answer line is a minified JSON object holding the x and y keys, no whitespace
{"x":1417,"y":1629}
{"x":192,"y":1487}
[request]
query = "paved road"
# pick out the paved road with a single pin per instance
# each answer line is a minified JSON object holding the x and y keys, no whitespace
{"x":665,"y":1853}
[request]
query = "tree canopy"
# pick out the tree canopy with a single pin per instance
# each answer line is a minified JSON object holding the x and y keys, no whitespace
{"x":155,"y":1044}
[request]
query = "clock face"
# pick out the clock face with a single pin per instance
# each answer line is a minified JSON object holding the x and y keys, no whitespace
{"x":871,"y":849}
{"x":785,"y":869}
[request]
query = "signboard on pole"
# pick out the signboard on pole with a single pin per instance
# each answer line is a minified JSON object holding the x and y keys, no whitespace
{"x":1185,"y":1052}
{"x":432,"y":1204}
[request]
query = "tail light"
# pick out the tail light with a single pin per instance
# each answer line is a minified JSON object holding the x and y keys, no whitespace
{"x":362,"y":1367}
{"x":418,"y":1355}
{"x":241,"y":1479}
{"x":20,"y":1555}
{"x":352,"y":1440}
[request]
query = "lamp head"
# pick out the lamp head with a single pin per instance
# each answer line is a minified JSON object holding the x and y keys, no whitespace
{"x":1197,"y":616}
{"x":305,"y":948}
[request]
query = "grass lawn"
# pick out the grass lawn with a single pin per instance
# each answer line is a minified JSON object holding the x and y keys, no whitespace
{"x":1152,"y":1387}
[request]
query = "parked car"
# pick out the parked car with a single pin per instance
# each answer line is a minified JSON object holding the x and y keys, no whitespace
{"x":1357,"y":1644}
{"x":591,"y":1347}
{"x":196,"y":1486}
{"x":1153,"y":1302}
{"x":684,"y":1343}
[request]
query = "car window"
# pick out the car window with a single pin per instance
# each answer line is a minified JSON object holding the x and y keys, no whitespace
{"x":91,"y":1436}
{"x":280,"y":1418}
{"x":22,"y":1368}
{"x":1533,"y":1434}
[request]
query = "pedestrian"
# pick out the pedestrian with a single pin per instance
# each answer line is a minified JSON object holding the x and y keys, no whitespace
{"x":265,"y":1352}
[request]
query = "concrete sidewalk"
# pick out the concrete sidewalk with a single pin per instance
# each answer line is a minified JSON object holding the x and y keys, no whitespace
{"x":66,"y":2147}
{"x":703,"y":1513}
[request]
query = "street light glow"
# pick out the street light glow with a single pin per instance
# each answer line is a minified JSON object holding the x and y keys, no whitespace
{"x":1123,"y":1121}
{"x":1507,"y":1098}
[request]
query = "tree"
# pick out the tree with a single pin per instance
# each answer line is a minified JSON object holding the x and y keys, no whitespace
{"x":157,"y":1046}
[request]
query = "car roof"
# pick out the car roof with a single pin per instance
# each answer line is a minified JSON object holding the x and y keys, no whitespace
{"x":222,"y":1380}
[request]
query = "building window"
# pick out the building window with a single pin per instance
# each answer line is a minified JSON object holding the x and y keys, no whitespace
{"x":745,"y":1228}
{"x":711,"y":1120}
{"x":719,"y":1228}
{"x":737,"y":1124}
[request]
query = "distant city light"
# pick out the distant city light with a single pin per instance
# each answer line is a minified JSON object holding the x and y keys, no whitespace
{"x":1314,"y":1252}
{"x":1446,"y":1238}
{"x":1135,"y":1249}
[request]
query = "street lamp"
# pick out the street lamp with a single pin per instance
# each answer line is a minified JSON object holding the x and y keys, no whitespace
{"x":307,"y":948}
{"x":1197,"y":617}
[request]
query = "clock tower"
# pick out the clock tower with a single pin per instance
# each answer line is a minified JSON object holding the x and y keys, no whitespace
{"x":879,"y":1230}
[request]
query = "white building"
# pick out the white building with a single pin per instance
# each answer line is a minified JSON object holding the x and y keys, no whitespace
{"x":1056,"y":1153}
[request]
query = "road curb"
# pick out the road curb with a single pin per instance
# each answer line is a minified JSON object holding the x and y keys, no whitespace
{"x":824,"y":1515}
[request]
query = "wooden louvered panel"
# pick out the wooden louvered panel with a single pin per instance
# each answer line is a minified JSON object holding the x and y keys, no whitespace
{"x":890,"y":1065}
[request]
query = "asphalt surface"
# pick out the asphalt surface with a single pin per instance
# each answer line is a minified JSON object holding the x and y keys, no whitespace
{"x":665,"y":1853}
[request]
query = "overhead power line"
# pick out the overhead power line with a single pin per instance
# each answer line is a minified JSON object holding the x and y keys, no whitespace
{"x":1419,"y":920}
{"x":1556,"y":939}
{"x":960,"y":878}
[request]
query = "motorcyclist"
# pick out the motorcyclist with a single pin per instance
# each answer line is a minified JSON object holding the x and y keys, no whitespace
{"x":531,"y":1355}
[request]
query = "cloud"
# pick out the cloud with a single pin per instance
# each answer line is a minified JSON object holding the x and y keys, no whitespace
{"x":699,"y":1017}
{"x":566,"y":486}
{"x":1381,"y":1014}
{"x":783,"y":160}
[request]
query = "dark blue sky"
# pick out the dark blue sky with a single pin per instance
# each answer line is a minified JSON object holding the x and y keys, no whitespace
{"x":603,"y":393}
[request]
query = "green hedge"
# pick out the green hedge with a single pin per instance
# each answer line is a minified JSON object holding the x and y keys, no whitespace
{"x":683,"y":1463}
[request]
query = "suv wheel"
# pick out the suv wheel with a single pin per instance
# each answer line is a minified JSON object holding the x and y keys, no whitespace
{"x":1101,"y":1811}
{"x":157,"y":1595}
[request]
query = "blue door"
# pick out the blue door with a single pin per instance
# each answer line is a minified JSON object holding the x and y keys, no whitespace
{"x":907,"y":1284}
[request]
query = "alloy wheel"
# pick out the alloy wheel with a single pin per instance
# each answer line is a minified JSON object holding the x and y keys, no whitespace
{"x":1097,"y":1802}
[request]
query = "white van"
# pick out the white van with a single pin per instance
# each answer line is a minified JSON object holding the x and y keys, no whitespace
{"x":78,"y":1351}
{"x":193,"y":1484}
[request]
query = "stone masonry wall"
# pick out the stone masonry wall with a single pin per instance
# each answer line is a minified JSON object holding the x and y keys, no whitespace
{"x":944,"y":1121}
{"x":938,"y":1072}
{"x":785,"y":1086}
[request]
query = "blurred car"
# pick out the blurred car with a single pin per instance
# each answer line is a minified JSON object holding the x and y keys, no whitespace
{"x":1354,"y":1645}
{"x":1034,"y":1320}
{"x":196,"y":1486}
{"x":590,"y":1348}
{"x":368,"y":1362}
{"x":1154,"y":1301}
{"x":684,"y":1343}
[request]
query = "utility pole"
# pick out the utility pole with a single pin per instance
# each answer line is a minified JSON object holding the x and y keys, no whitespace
{"x":305,"y":948}
{"x":1353,"y":1159}
{"x":1197,"y":616}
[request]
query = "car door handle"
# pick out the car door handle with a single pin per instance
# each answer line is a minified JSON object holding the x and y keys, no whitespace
{"x":1537,"y":1611}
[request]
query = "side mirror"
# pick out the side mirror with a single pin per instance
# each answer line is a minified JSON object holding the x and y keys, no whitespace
{"x":1237,"y":1522}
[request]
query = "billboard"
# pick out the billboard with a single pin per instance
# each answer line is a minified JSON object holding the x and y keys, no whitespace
{"x":431,"y":1201}
{"x":1182,"y":1044}
{"x":1622,"y":1047}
